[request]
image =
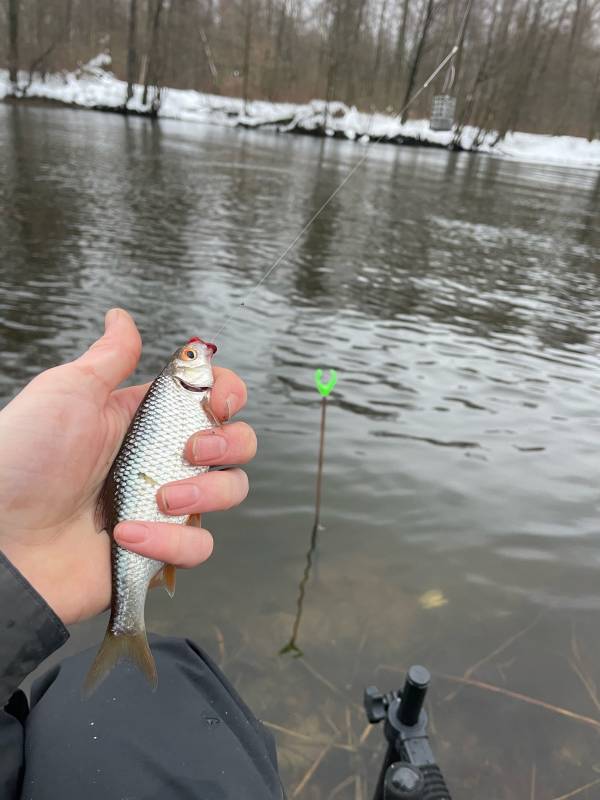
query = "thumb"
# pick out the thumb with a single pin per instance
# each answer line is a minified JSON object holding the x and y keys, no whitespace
{"x":114,"y":356}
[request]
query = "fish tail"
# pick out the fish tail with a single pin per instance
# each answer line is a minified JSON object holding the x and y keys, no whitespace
{"x":121,"y":647}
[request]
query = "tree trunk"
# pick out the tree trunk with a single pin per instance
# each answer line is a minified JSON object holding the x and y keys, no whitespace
{"x":468,"y":107}
{"x":111,"y":25}
{"x":247,"y":50}
{"x":573,"y":47}
{"x":458,"y":61}
{"x":278,"y":49}
{"x":151,"y":78}
{"x":353,"y":47}
{"x":332,"y":65}
{"x":372,"y":81}
{"x":395,"y":74}
{"x":131,"y":53}
{"x":530,"y":47}
{"x":595,"y":120}
{"x":209,"y":58}
{"x":69,"y":29}
{"x":13,"y":42}
{"x":416,"y":60}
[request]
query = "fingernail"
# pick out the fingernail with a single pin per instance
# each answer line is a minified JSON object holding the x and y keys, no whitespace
{"x":131,"y":532}
{"x":207,"y":446}
{"x":179,"y":495}
{"x":110,"y":317}
{"x":231,"y":404}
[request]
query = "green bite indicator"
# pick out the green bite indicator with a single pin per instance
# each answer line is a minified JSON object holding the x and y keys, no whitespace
{"x":325,"y":389}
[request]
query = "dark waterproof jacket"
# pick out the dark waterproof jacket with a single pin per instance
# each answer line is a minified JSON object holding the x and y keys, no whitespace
{"x":29,"y":632}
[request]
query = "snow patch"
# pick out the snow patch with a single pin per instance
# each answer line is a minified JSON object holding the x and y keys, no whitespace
{"x":94,"y":86}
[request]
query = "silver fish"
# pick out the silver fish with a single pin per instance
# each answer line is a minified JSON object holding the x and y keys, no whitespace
{"x":175,"y":406}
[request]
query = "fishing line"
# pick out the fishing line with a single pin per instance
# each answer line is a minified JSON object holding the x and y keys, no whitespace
{"x":239,"y":306}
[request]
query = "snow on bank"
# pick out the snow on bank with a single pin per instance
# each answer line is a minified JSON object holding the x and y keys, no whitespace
{"x":94,"y":86}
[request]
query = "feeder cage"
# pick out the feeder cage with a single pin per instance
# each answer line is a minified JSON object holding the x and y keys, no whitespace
{"x":442,"y":112}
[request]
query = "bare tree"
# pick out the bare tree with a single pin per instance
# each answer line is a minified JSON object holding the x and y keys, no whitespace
{"x":131,"y":50}
{"x":247,"y":50}
{"x":416,"y":59}
{"x":281,"y":26}
{"x":372,"y":80}
{"x":13,"y":41}
{"x":151,"y":57}
{"x":395,"y":74}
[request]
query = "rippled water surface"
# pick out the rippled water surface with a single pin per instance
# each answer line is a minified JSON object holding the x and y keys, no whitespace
{"x":459,"y":300}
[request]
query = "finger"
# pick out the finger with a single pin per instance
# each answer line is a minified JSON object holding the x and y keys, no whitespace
{"x":228,"y":394}
{"x":180,"y":545}
{"x":114,"y":356}
{"x":213,"y":491}
{"x":231,"y":444}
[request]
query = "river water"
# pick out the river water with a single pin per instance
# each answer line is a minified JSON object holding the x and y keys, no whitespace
{"x":458,"y":299}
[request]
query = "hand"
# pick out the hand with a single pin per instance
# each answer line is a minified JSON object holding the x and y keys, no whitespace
{"x":59,"y":437}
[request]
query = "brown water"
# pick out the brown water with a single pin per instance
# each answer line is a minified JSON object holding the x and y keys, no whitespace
{"x":458,"y":299}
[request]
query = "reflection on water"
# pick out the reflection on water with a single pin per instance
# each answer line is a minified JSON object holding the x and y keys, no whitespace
{"x":457,"y":298}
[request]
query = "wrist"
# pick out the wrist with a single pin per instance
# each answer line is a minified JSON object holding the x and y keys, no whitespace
{"x":25,"y":563}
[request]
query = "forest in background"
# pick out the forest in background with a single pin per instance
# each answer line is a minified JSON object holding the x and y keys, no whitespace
{"x":529,"y":65}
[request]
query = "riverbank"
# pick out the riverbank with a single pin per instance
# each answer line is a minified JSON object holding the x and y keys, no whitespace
{"x":93,"y":86}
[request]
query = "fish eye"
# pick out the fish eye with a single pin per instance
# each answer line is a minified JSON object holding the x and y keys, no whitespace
{"x":189,"y":355}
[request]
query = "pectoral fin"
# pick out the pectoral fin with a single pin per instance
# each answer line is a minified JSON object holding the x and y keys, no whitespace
{"x":216,"y":422}
{"x":165,"y":577}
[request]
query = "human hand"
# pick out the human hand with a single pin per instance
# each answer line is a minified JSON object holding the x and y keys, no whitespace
{"x":59,"y":437}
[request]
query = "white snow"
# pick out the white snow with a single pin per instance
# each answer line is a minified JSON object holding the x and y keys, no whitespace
{"x":94,"y":85}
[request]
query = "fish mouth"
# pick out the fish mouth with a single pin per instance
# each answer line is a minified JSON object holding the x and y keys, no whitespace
{"x":192,"y":388}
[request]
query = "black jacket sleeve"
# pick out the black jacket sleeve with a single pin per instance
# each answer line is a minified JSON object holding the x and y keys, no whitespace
{"x":29,"y":632}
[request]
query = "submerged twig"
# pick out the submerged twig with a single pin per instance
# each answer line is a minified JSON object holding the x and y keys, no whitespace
{"x":310,"y":739}
{"x":363,"y":737}
{"x":311,"y":770}
{"x":578,"y":668}
{"x":326,"y":682}
{"x":575,"y":792}
{"x":565,"y":712}
{"x":506,"y":643}
{"x":358,"y":792}
{"x":220,"y":644}
{"x":532,"y":792}
{"x":346,"y":782}
{"x":490,"y":687}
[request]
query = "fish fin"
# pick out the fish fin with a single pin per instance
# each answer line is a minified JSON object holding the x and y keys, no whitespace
{"x":121,"y":647}
{"x":216,"y":422}
{"x":105,"y":514}
{"x":170,"y":576}
{"x":194,"y":521}
{"x":165,"y":577}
